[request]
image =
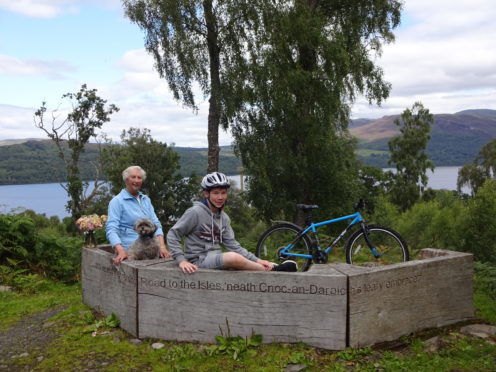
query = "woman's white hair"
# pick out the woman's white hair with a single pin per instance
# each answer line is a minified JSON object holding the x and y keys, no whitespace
{"x":125,"y":172}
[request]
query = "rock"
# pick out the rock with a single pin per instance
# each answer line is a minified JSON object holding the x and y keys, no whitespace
{"x":135,"y":341}
{"x":295,"y":367}
{"x":484,"y":331}
{"x":432,"y":345}
{"x":48,"y":324}
{"x":157,"y":346}
{"x":6,"y":288}
{"x":40,"y":358}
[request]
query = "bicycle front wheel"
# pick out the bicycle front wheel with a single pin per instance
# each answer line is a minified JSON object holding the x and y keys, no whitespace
{"x":388,"y":244}
{"x":273,"y":240}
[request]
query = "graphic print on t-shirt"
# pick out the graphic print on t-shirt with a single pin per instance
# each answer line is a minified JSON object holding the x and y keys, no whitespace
{"x":205,"y":233}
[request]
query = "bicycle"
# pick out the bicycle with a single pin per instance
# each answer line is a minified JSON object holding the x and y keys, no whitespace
{"x":369,"y":245}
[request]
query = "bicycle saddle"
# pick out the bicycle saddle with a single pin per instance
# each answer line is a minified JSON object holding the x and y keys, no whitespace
{"x":306,"y":207}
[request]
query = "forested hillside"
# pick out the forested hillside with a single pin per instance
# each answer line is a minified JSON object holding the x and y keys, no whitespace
{"x":36,"y":161}
{"x":455,"y":138}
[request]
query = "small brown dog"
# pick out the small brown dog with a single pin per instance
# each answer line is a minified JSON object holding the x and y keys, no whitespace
{"x":146,"y":247}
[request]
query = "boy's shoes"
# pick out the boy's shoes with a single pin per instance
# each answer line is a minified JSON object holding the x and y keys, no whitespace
{"x":288,"y":266}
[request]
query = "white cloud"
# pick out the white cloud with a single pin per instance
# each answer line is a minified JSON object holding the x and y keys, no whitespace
{"x":38,"y":8}
{"x":444,"y":57}
{"x":145,"y":101}
{"x":34,"y":67}
{"x":17,"y":122}
{"x":52,"y":8}
{"x":168,"y":122}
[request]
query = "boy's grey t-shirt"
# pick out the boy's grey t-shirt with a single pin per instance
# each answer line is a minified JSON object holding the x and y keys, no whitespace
{"x":203,"y":231}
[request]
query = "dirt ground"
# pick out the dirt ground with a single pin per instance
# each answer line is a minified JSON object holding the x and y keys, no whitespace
{"x":30,"y":335}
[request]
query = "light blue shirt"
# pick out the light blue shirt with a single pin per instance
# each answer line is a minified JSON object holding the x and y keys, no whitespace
{"x":123,"y":211}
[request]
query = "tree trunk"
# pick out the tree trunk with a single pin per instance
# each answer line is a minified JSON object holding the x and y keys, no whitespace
{"x":214,"y":108}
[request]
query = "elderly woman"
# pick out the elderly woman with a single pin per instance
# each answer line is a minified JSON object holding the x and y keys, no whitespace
{"x":125,"y":209}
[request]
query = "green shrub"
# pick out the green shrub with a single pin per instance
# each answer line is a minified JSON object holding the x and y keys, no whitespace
{"x":58,"y":258}
{"x":485,"y":278}
{"x":385,"y":213}
{"x":246,"y":226}
{"x":479,"y":228}
{"x":36,"y":243}
{"x":20,"y":279}
{"x":434,"y":224}
{"x":17,"y":235}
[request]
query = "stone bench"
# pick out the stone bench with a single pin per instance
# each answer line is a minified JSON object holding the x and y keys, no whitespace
{"x":330,"y":306}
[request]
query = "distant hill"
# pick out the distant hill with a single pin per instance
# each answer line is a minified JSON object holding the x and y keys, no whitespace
{"x":36,"y":161}
{"x":455,"y":138}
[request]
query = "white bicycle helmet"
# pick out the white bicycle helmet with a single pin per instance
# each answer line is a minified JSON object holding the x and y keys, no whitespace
{"x":215,"y":179}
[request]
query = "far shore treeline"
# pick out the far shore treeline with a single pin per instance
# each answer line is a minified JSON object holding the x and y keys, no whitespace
{"x":36,"y":161}
{"x":455,"y":140}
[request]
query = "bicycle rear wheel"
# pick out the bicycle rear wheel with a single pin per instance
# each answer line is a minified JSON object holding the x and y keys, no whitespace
{"x":276,"y":238}
{"x":387,"y":242}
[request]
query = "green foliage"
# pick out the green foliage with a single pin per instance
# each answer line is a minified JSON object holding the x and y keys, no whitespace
{"x":409,"y":156}
{"x":170,"y":194}
{"x":374,"y":183}
{"x":58,"y":258}
{"x":234,"y":346}
{"x":479,"y":228}
{"x":307,"y":62}
{"x":472,"y":176}
{"x":385,"y":213}
{"x":448,"y":221}
{"x":355,"y":355}
{"x":320,"y":171}
{"x":246,"y":226}
{"x":485,"y":278}
{"x":88,"y":114}
{"x":16,"y":236}
{"x":20,"y":279}
{"x":111,"y":321}
{"x":24,"y":245}
{"x":434,"y":224}
{"x":483,"y":168}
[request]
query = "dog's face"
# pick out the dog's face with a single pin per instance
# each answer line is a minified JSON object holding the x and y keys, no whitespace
{"x":145,"y":227}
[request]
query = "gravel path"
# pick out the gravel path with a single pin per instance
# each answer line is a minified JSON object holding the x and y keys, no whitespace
{"x":30,"y":335}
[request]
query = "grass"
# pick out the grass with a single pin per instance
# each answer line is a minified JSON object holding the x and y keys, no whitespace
{"x":86,"y":342}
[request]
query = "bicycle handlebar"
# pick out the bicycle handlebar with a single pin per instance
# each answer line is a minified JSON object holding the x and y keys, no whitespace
{"x":360,"y":205}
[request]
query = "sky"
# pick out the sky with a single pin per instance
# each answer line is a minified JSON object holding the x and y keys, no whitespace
{"x":444,"y":56}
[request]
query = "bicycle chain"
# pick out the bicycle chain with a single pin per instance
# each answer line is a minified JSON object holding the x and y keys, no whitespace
{"x":319,"y":257}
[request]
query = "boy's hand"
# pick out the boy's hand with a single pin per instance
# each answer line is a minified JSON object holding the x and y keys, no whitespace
{"x":187,"y":267}
{"x":266,"y":264}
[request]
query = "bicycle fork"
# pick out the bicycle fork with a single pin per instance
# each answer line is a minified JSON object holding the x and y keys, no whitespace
{"x":366,"y":236}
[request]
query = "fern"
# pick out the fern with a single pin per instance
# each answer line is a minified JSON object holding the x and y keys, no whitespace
{"x":485,"y":278}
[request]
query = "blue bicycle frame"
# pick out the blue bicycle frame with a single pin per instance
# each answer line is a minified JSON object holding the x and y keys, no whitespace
{"x":355,"y":217}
